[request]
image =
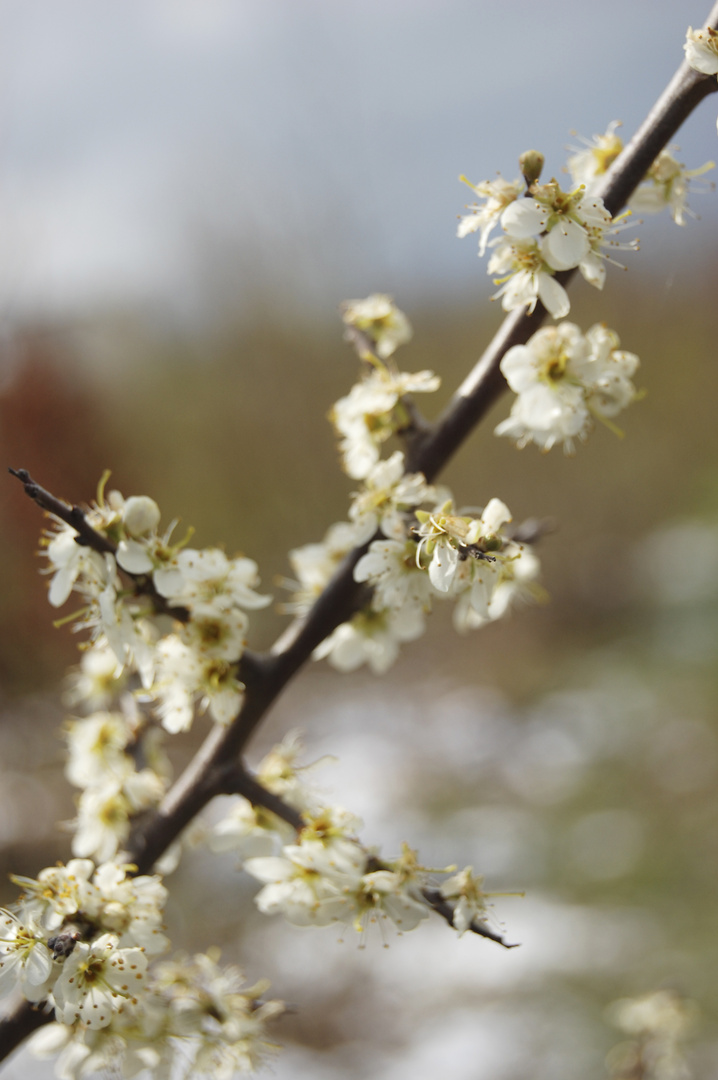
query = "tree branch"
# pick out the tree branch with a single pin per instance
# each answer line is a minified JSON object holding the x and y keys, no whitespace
{"x":430,"y":451}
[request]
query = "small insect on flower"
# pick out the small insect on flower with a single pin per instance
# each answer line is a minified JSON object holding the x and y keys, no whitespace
{"x":63,"y":944}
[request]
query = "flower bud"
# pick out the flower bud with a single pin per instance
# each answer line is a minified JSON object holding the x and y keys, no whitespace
{"x":531,"y":163}
{"x":141,"y":515}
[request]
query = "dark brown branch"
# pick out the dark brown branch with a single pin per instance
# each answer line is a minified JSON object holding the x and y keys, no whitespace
{"x":72,"y":515}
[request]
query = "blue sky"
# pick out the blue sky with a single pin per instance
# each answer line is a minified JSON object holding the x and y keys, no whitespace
{"x":187,"y":154}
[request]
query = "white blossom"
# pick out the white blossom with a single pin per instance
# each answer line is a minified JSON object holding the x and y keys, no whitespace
{"x":390,"y":567}
{"x":386,"y":498}
{"x":371,"y":637}
{"x":701,"y":49}
{"x":381,"y":320}
{"x":24,"y":956}
{"x":563,"y":379}
{"x":498,"y":194}
{"x":96,"y":980}
{"x":208,"y":582}
{"x":315,"y":564}
{"x":666,"y":186}
{"x":525,"y":278}
{"x":372,"y":412}
{"x":466,"y":891}
{"x":590,"y":163}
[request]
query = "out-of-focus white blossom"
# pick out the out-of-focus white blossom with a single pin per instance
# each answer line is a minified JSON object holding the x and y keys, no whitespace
{"x":590,"y":163}
{"x":371,"y":637}
{"x":465,"y":891}
{"x":372,"y":411}
{"x":25,"y":959}
{"x":208,"y":582}
{"x":563,"y":380}
{"x":380,"y":319}
{"x":386,"y":498}
{"x":666,"y":186}
{"x":185,"y":677}
{"x":315,"y":564}
{"x":657,"y":1026}
{"x":390,"y":567}
{"x":497,"y":195}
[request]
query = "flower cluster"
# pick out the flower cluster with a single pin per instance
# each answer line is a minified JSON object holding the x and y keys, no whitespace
{"x":564,"y":380}
{"x":380,"y":321}
{"x":423,"y":555}
{"x":139,"y":577}
{"x":142,"y":671}
{"x":82,"y":938}
{"x":666,"y":185}
{"x":374,"y":410}
{"x":115,"y":758}
{"x":547,"y":231}
{"x":324,"y":874}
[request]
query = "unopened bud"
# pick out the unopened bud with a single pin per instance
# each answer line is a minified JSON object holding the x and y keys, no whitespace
{"x":141,"y":515}
{"x":531,"y":163}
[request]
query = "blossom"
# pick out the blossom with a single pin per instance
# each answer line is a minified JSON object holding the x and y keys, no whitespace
{"x":372,"y":412}
{"x":96,"y":980}
{"x":548,"y":231}
{"x":69,"y":561}
{"x":701,"y":49}
{"x":563,"y":379}
{"x":390,"y":567}
{"x":516,"y":581}
{"x":388,"y":494}
{"x":308,"y":883}
{"x":498,"y":194}
{"x":185,"y":675}
{"x":315,"y":564}
{"x":24,"y":956}
{"x":589,"y":164}
{"x":526,"y":277}
{"x":666,"y":185}
{"x":371,"y":637}
{"x":448,"y":539}
{"x":381,"y":320}
{"x":208,"y":582}
{"x":470,"y":899}
{"x":99,"y":678}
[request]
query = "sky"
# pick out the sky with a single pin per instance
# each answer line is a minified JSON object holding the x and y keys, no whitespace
{"x":189,"y":155}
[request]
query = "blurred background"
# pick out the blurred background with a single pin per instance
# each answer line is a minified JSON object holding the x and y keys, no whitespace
{"x":188,"y":190}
